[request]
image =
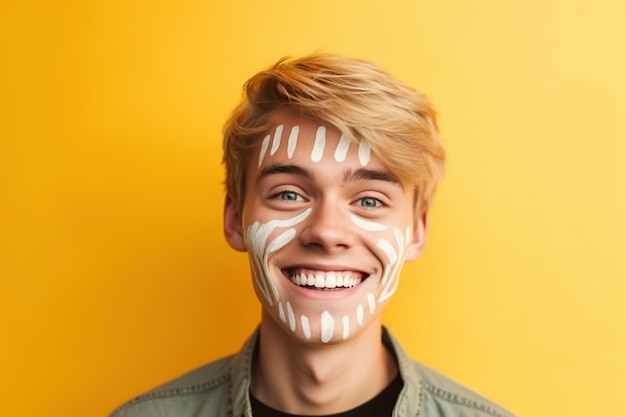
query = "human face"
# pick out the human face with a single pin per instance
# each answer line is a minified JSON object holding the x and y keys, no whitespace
{"x":327,"y":228}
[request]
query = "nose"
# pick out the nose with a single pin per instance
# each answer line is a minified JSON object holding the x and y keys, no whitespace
{"x":328,"y":228}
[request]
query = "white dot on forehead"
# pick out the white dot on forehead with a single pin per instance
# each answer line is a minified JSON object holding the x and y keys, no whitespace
{"x":318,"y":146}
{"x":364,"y":152}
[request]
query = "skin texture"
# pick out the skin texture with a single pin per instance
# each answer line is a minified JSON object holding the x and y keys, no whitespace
{"x":318,"y":207}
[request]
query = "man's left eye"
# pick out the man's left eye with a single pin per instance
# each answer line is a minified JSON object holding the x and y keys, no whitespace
{"x":370,"y":202}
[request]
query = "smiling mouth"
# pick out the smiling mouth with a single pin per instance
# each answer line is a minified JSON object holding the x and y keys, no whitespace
{"x":325,"y":280}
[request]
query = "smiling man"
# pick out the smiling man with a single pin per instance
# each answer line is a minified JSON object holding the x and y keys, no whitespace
{"x":331,"y":166}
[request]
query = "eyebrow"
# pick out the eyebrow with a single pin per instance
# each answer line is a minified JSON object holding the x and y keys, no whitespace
{"x":372,"y":174}
{"x":350,"y":175}
{"x":274,"y":169}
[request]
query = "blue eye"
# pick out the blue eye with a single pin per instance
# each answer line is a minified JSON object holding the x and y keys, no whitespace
{"x":370,"y":202}
{"x":289,"y":196}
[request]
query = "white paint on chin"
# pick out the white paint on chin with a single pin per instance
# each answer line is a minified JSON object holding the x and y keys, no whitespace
{"x":291,"y":317}
{"x":292,"y":141}
{"x":342,"y":149}
{"x":359,"y":314}
{"x":328,"y":326}
{"x":371,"y":302}
{"x":320,"y":143}
{"x":305,"y":326}
{"x":346,"y":327}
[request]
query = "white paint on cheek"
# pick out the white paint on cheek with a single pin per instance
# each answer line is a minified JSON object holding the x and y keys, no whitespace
{"x":292,"y":141}
{"x":291,"y":317}
{"x":277,"y":136}
{"x":367,"y":225}
{"x":256,"y":237}
{"x":346,"y":327}
{"x":305,"y":326}
{"x":371,"y":301}
{"x":393,"y":271}
{"x":364,"y":152}
{"x":281,"y":313}
{"x":318,"y":146}
{"x":328,"y":326}
{"x":264,"y":145}
{"x":389,"y":250}
{"x":359,"y":314}
{"x":342,"y":149}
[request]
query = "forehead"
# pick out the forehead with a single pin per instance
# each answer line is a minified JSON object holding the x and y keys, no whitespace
{"x":301,"y":139}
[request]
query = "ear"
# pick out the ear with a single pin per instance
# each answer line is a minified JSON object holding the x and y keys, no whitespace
{"x":418,"y":240}
{"x":233,"y":231}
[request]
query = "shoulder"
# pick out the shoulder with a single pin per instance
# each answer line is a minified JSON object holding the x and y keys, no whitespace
{"x":446,"y":398}
{"x":204,"y":387}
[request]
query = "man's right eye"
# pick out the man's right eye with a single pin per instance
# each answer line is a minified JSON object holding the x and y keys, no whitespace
{"x":289,"y":196}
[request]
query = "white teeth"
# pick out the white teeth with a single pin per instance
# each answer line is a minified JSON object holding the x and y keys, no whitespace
{"x":331,"y":282}
{"x":320,"y":282}
{"x":326,"y":280}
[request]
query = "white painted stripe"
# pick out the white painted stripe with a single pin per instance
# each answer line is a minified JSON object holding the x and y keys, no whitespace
{"x":292,"y":141}
{"x":291,"y":317}
{"x":264,"y":145}
{"x":364,"y":152}
{"x":367,"y":225}
{"x":281,"y":312}
{"x":346,"y":327}
{"x":359,"y":314}
{"x":276,"y":143}
{"x":328,"y":326}
{"x":318,"y":146}
{"x":389,"y":250}
{"x":342,"y":148}
{"x":372,"y":302}
{"x":305,"y":326}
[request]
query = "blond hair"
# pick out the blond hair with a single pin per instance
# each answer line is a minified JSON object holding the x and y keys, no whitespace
{"x":358,"y":98}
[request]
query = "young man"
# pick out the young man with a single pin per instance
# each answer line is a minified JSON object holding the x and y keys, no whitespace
{"x":331,"y":166}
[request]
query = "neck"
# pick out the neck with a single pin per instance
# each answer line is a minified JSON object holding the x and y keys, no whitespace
{"x":302,"y":378}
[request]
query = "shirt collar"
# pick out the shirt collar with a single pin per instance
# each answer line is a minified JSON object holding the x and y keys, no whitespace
{"x":240,"y":370}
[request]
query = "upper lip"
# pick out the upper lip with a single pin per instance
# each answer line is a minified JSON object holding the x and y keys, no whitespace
{"x":325,"y":268}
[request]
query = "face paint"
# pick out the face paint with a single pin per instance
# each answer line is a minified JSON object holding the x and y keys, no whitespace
{"x":359,"y":314}
{"x":292,"y":318}
{"x":318,"y":146}
{"x":305,"y":327}
{"x":276,"y":143}
{"x":292,"y":141}
{"x":364,"y":152}
{"x":367,"y":225}
{"x":328,"y":326}
{"x":392,"y":271}
{"x":387,"y":242}
{"x":342,"y":149}
{"x":264,"y":145}
{"x":256,"y":237}
{"x":371,"y":302}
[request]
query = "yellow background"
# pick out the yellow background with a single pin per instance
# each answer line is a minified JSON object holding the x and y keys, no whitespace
{"x":114,"y":273}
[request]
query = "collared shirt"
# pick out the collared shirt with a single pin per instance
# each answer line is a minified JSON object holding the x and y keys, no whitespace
{"x":221,"y":389}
